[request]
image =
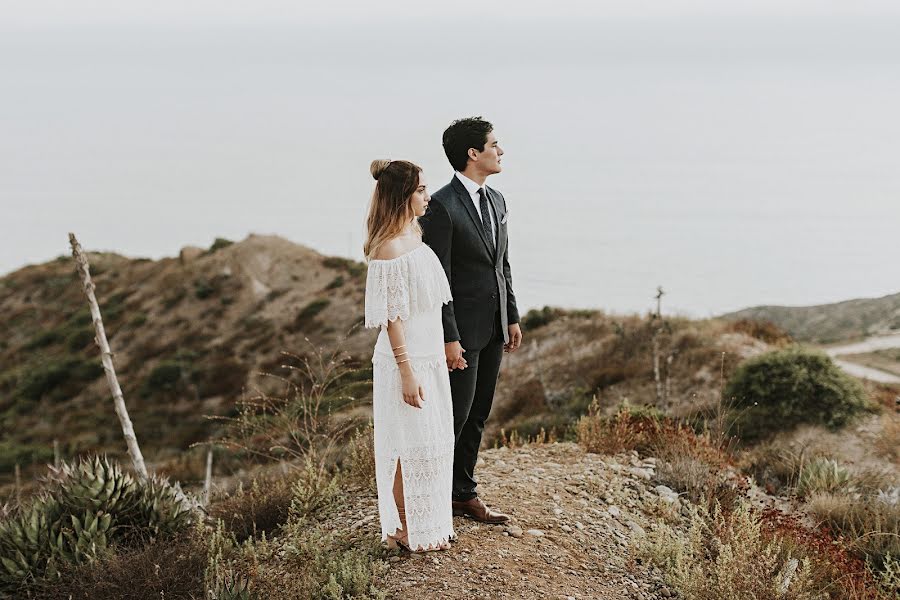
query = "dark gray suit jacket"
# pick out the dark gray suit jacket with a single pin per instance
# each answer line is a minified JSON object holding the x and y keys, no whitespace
{"x":479,"y":281}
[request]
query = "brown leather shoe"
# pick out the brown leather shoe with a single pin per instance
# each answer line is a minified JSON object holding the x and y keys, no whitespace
{"x":476,"y":509}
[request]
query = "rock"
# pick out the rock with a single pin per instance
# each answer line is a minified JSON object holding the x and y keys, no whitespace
{"x":189,"y":254}
{"x":645,"y":474}
{"x":614,"y":511}
{"x":635,"y":527}
{"x":514,"y":531}
{"x":566,"y":528}
{"x":535,"y":532}
{"x":557,"y":511}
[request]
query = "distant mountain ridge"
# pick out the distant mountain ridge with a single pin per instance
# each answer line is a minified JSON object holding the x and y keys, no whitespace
{"x":829,"y":323}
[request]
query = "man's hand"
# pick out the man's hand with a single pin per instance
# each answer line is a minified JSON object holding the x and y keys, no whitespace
{"x":454,"y":353}
{"x":515,"y":338}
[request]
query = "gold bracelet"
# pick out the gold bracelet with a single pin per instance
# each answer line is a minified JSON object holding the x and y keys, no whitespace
{"x":401,"y":354}
{"x":400,"y":362}
{"x":398,"y":347}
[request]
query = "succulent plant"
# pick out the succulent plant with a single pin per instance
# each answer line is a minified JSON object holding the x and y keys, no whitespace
{"x":234,"y":588}
{"x":85,"y":508}
{"x":97,"y":484}
{"x":163,"y":508}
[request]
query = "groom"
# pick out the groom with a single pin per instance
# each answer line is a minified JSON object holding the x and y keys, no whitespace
{"x":465,"y":225}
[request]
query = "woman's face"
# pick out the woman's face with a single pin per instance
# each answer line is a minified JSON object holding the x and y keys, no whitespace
{"x":420,"y":198}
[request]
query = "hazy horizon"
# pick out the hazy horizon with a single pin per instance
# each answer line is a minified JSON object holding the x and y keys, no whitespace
{"x":736,"y":160}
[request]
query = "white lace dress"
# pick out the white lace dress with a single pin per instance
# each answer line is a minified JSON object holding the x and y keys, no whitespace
{"x":412,"y":287}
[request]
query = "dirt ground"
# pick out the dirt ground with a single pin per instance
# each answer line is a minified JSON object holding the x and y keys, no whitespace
{"x":573,"y":515}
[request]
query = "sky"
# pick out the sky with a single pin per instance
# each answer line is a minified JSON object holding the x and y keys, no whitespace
{"x":736,"y":154}
{"x":65,"y":13}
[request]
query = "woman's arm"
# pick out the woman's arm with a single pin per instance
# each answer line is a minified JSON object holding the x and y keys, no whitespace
{"x":413,"y":394}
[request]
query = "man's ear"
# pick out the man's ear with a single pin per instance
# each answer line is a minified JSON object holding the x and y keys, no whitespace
{"x":473,"y":154}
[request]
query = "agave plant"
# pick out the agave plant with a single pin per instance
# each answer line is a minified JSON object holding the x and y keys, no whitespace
{"x":25,"y":542}
{"x":97,"y":484}
{"x":822,"y":475}
{"x":234,"y":588}
{"x":85,"y":508}
{"x":163,"y":507}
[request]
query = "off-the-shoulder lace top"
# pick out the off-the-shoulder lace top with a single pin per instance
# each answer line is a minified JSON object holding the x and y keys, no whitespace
{"x":411,"y":284}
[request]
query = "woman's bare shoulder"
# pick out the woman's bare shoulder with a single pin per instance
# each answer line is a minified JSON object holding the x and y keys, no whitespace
{"x":391,"y":249}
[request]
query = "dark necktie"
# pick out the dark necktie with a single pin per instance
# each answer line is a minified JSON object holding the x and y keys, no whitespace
{"x":485,"y":219}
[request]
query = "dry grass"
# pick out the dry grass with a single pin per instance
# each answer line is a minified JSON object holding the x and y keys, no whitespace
{"x":727,"y":556}
{"x":765,"y":331}
{"x":311,"y":562}
{"x":887,"y":444}
{"x":263,"y":506}
{"x":721,"y":555}
{"x":359,"y":461}
{"x":162,"y":569}
{"x":871,"y":526}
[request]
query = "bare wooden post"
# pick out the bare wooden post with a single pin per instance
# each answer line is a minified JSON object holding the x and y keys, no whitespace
{"x":137,"y":459}
{"x":207,"y":483}
{"x":18,"y":485}
{"x":668,"y":387}
{"x":656,"y":331}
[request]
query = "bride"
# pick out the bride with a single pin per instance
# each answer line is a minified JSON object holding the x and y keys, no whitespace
{"x":413,"y":411}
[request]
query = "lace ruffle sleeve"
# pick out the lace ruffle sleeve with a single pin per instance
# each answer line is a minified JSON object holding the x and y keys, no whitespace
{"x":404,"y":286}
{"x":387,"y":292}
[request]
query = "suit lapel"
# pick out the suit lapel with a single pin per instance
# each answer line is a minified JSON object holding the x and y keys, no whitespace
{"x":463,"y":196}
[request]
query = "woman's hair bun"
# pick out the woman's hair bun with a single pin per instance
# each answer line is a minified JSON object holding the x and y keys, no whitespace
{"x":378,"y":167}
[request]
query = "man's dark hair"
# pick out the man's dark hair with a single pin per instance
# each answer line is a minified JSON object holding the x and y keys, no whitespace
{"x":463,"y":134}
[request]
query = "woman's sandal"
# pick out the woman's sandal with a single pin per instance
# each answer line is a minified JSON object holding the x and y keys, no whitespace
{"x":401,"y":541}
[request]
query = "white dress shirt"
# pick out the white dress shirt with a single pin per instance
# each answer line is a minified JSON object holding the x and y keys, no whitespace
{"x":472,"y":188}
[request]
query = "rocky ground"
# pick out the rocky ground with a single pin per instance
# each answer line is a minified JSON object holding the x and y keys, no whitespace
{"x":573,"y":517}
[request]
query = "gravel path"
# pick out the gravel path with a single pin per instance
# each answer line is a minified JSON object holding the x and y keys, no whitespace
{"x":871,"y":344}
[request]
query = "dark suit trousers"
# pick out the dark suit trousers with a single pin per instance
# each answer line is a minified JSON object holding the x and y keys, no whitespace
{"x":473,"y":393}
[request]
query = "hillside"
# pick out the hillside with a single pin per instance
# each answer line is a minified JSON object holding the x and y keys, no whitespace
{"x":829,"y":323}
{"x":188,"y":334}
{"x":191,"y":334}
{"x":605,"y":518}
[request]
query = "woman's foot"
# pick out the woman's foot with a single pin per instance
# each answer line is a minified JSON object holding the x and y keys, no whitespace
{"x":402,"y":541}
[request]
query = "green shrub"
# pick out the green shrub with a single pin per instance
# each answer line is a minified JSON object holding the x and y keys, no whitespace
{"x":164,"y":377}
{"x":77,"y":340}
{"x":46,"y":376}
{"x":44,"y":339}
{"x":306,"y":315}
{"x":12,"y":452}
{"x":779,"y":390}
{"x":352,"y":267}
{"x":137,"y":320}
{"x":536,"y":318}
{"x":203,"y":289}
{"x":218,"y":244}
{"x":335,"y":283}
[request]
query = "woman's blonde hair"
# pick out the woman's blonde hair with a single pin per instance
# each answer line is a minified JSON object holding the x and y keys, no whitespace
{"x":390,"y":211}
